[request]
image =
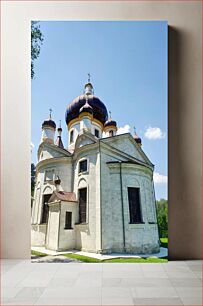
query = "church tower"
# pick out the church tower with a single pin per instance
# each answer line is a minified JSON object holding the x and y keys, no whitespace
{"x":48,"y":130}
{"x":86,"y":113}
{"x":110,"y":127}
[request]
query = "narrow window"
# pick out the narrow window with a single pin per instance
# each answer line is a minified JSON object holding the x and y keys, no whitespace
{"x":96,"y":133}
{"x":83,"y":166}
{"x":68,"y":221}
{"x":45,"y":212}
{"x":134,"y":205}
{"x":71,"y":136}
{"x":49,"y":175}
{"x":110,"y":133}
{"x":82,"y":205}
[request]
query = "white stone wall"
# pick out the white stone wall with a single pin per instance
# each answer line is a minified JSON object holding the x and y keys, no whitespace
{"x":67,"y":237}
{"x":38,"y":234}
{"x":75,"y":127}
{"x":64,"y":171}
{"x":88,"y":235}
{"x":139,"y":238}
{"x":52,"y":240}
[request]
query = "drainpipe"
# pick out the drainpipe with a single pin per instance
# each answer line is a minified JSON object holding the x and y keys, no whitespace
{"x":122,"y":208}
{"x":100,"y":196}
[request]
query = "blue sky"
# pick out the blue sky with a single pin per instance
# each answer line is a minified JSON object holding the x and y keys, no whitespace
{"x":127,"y":61}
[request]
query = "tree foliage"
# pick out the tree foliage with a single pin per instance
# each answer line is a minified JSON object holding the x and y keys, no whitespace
{"x":36,"y":42}
{"x":162,"y":216}
{"x":33,"y":172}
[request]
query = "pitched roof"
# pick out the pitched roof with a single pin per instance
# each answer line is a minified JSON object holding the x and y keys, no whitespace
{"x":63,"y":196}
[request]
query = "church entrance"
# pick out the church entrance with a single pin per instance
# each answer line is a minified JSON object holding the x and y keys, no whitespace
{"x":45,"y":212}
{"x":82,"y":205}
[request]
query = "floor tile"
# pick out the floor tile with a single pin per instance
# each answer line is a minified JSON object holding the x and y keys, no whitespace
{"x":32,"y":292}
{"x":22,"y":301}
{"x":117,"y":301}
{"x":9,"y":292}
{"x":189,"y":291}
{"x":68,"y":301}
{"x":192,"y":301}
{"x":155,"y":274}
{"x":157,"y":301}
{"x":72,"y":292}
{"x":185,"y":282}
{"x":116,"y":292}
{"x":61,"y":282}
{"x":145,"y":282}
{"x":181,"y":274}
{"x":154,"y":292}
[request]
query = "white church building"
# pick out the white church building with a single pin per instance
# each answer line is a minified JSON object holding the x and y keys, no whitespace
{"x":97,"y":194}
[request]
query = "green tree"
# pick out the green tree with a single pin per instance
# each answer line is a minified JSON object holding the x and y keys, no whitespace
{"x":33,"y":172}
{"x":36,"y":42}
{"x":162,"y":216}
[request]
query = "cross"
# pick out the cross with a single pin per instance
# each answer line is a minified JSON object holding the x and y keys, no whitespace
{"x":50,"y":111}
{"x":134,"y":129}
{"x":89,"y":77}
{"x":110,"y":114}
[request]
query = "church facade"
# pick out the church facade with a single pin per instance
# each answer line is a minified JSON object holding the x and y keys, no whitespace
{"x":96,"y":195}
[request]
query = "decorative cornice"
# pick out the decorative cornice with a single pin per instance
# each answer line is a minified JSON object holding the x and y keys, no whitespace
{"x":53,"y":160}
{"x":110,"y":127}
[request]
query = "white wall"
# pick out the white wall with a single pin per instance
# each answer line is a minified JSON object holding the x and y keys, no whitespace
{"x":185,"y":60}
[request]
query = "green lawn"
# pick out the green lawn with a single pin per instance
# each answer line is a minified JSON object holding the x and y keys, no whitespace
{"x":120,"y":259}
{"x":38,"y":254}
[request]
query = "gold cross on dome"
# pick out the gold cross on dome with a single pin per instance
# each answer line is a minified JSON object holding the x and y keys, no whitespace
{"x":50,"y":111}
{"x":89,"y":77}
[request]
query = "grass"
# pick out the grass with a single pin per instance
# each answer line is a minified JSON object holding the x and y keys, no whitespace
{"x":164,"y":242}
{"x":82,"y":258}
{"x":38,"y":254}
{"x":120,"y":259}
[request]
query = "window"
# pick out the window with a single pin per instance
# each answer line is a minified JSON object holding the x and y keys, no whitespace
{"x":71,"y":136}
{"x":134,"y":205}
{"x":68,"y":220}
{"x":49,"y":175}
{"x":96,"y":133}
{"x":82,"y":205}
{"x":45,"y":212}
{"x":110,"y":133}
{"x":83,"y":166}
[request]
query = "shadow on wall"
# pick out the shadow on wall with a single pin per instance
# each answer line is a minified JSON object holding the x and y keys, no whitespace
{"x":184,"y":204}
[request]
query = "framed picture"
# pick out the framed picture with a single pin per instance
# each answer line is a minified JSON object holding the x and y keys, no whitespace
{"x":99,"y":141}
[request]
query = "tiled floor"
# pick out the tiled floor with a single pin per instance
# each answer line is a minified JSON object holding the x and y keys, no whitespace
{"x":172,"y":283}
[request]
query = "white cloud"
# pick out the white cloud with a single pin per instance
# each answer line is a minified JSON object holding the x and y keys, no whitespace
{"x":154,"y":133}
{"x":123,"y":130}
{"x":160,"y":179}
{"x":32,"y":146}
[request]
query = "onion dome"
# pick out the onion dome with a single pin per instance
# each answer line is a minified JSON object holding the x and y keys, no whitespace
{"x":59,"y":142}
{"x":98,"y":107}
{"x":137,"y":138}
{"x":86,"y":108}
{"x":110,"y":122}
{"x":49,"y":122}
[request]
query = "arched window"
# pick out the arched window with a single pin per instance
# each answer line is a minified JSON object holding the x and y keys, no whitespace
{"x":71,"y":136}
{"x":111,"y":133}
{"x":45,"y":207}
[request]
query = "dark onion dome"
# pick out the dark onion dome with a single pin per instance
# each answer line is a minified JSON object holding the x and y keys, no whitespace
{"x":49,"y":122}
{"x":137,"y":139}
{"x":86,"y":108}
{"x":98,"y":107}
{"x":110,"y":122}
